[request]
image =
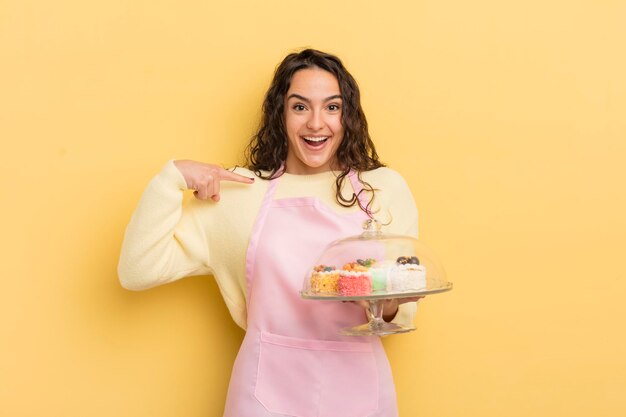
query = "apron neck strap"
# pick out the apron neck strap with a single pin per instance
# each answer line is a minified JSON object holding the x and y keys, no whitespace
{"x":357,"y":185}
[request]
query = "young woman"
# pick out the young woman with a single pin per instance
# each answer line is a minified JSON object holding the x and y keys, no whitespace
{"x":313,"y":176}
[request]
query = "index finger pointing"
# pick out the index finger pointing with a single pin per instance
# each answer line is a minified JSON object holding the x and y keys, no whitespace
{"x":232,"y":176}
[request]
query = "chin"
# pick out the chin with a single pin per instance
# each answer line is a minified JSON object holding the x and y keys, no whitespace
{"x":317,"y":164}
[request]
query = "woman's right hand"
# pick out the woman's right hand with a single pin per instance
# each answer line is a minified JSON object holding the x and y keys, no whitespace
{"x":205,"y":179}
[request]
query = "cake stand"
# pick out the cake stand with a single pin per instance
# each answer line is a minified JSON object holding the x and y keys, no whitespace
{"x":376,"y":245}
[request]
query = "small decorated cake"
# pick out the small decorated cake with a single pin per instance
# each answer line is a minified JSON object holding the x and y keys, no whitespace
{"x":407,"y":275}
{"x":324,"y":279}
{"x":380,"y":275}
{"x":355,"y":279}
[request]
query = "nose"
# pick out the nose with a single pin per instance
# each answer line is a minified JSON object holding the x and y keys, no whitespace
{"x":315,"y":121}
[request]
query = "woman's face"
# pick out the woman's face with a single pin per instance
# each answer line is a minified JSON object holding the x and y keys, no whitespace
{"x":313,"y":108}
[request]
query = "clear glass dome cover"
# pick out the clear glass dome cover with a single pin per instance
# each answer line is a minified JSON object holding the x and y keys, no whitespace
{"x":375,"y":266}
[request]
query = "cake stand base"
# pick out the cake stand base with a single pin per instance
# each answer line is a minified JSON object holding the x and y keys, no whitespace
{"x":381,"y":329}
{"x":376,"y":325}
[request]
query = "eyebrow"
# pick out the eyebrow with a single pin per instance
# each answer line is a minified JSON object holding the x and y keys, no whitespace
{"x":298,"y":96}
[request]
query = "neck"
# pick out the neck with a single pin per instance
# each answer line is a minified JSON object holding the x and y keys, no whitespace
{"x":295,"y":168}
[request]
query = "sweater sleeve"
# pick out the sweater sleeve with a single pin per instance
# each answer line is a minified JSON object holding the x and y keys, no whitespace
{"x":402,"y":215}
{"x":162,"y":242}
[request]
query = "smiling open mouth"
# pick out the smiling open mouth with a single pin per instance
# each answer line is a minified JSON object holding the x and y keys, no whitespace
{"x":315,"y":140}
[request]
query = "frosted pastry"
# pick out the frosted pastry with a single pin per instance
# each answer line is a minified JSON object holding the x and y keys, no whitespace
{"x":324,"y":279}
{"x":407,"y":275}
{"x":354,"y":279}
{"x":379,"y":278}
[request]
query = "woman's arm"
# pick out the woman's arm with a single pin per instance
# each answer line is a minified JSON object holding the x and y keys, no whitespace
{"x":164,"y":241}
{"x":397,"y":207}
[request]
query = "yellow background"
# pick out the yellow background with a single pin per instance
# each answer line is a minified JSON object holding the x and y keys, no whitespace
{"x":507,"y":119}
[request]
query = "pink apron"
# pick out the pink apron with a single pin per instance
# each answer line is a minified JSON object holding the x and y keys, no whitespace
{"x":293,"y":361}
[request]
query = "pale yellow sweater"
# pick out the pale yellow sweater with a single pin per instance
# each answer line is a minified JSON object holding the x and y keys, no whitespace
{"x":167,"y":240}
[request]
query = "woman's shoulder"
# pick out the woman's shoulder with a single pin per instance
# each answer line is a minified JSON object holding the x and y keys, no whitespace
{"x":390,"y":187}
{"x":393,"y":200}
{"x":384,"y":178}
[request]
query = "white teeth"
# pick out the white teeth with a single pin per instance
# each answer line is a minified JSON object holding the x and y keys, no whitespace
{"x":316,"y":139}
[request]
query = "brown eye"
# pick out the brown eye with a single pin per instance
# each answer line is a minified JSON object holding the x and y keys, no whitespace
{"x":299,"y":107}
{"x":333,"y":107}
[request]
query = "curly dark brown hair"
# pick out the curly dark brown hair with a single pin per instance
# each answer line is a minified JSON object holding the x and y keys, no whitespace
{"x":267,"y":150}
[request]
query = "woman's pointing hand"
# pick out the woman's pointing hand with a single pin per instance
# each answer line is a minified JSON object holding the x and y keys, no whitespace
{"x":205,"y":179}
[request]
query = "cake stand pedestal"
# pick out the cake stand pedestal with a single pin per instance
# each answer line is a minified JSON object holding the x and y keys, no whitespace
{"x":376,"y":326}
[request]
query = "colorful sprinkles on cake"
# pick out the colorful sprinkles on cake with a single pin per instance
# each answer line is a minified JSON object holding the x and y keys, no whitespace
{"x":324,"y":279}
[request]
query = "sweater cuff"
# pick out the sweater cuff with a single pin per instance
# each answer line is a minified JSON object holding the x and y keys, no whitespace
{"x":405,"y":314}
{"x":171,"y":177}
